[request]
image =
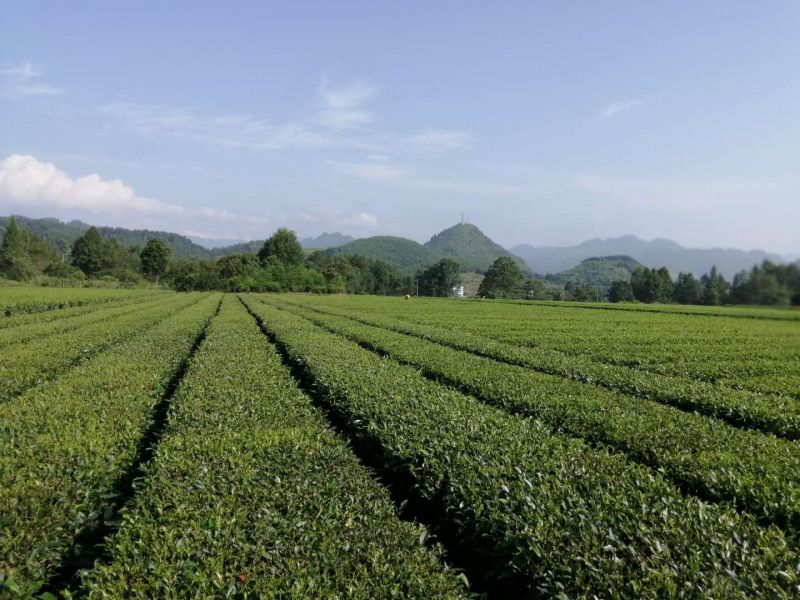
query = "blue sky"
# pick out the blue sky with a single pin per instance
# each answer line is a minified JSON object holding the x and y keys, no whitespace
{"x":544,"y":122}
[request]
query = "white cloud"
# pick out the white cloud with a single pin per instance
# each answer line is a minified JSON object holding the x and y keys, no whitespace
{"x":618,"y":107}
{"x":38,"y":189}
{"x":35,"y":187}
{"x":24,"y":79}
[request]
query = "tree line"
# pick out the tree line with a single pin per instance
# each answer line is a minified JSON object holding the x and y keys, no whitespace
{"x":281,"y":265}
{"x":766,"y":284}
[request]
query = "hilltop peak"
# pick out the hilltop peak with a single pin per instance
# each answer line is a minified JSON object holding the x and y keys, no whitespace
{"x":468,"y":245}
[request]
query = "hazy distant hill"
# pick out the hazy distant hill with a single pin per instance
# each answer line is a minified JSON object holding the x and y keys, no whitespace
{"x":655,"y":253}
{"x":601,"y":271}
{"x":251,"y":247}
{"x":62,"y":235}
{"x":406,"y":255}
{"x":210,"y":243}
{"x":467,"y":245}
{"x":321,"y":242}
{"x":326,"y":240}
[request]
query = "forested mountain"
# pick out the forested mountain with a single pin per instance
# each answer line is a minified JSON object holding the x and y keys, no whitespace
{"x":407,"y":256}
{"x":599,"y":271}
{"x":654,"y":254}
{"x":468,"y":246}
{"x":62,"y":235}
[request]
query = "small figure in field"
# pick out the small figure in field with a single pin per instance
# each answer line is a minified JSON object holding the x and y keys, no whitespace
{"x":408,"y":297}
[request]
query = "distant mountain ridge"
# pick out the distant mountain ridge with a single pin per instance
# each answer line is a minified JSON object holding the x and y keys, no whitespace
{"x":321,"y":242}
{"x":464,"y":243}
{"x":325,"y":240}
{"x":211,"y":243}
{"x":653,"y":254}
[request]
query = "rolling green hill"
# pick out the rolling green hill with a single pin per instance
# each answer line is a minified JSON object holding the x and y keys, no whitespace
{"x":467,"y":245}
{"x":407,"y":256}
{"x":600,"y":271}
{"x":463,"y":243}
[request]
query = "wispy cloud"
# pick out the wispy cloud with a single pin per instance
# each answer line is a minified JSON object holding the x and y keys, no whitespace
{"x":370,"y":171}
{"x":680,"y":193}
{"x":436,"y":142}
{"x":355,"y":223}
{"x":343,"y":107}
{"x":618,"y":107}
{"x":24,"y":79}
{"x":406,"y":177}
{"x":340,"y":118}
{"x":231,"y":130}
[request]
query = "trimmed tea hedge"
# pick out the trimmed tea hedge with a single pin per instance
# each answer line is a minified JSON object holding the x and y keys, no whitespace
{"x":32,"y":362}
{"x":15,"y":300}
{"x":772,"y":414}
{"x":250,"y":495}
{"x":702,"y":455}
{"x":64,"y":444}
{"x":85,"y":315}
{"x":72,"y":311}
{"x":544,"y":510}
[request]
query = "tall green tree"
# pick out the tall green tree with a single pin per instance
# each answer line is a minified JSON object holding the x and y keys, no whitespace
{"x":768,"y":284}
{"x":13,"y":240}
{"x":154,"y":258}
{"x":687,"y":289}
{"x":620,"y":291}
{"x":439,"y":279}
{"x":88,"y":252}
{"x":651,"y":285}
{"x":282,"y":247}
{"x":14,"y":261}
{"x":504,"y":279}
{"x":22,"y":254}
{"x":715,"y":288}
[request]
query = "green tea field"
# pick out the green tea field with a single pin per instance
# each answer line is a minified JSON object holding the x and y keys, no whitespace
{"x":160,"y":444}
